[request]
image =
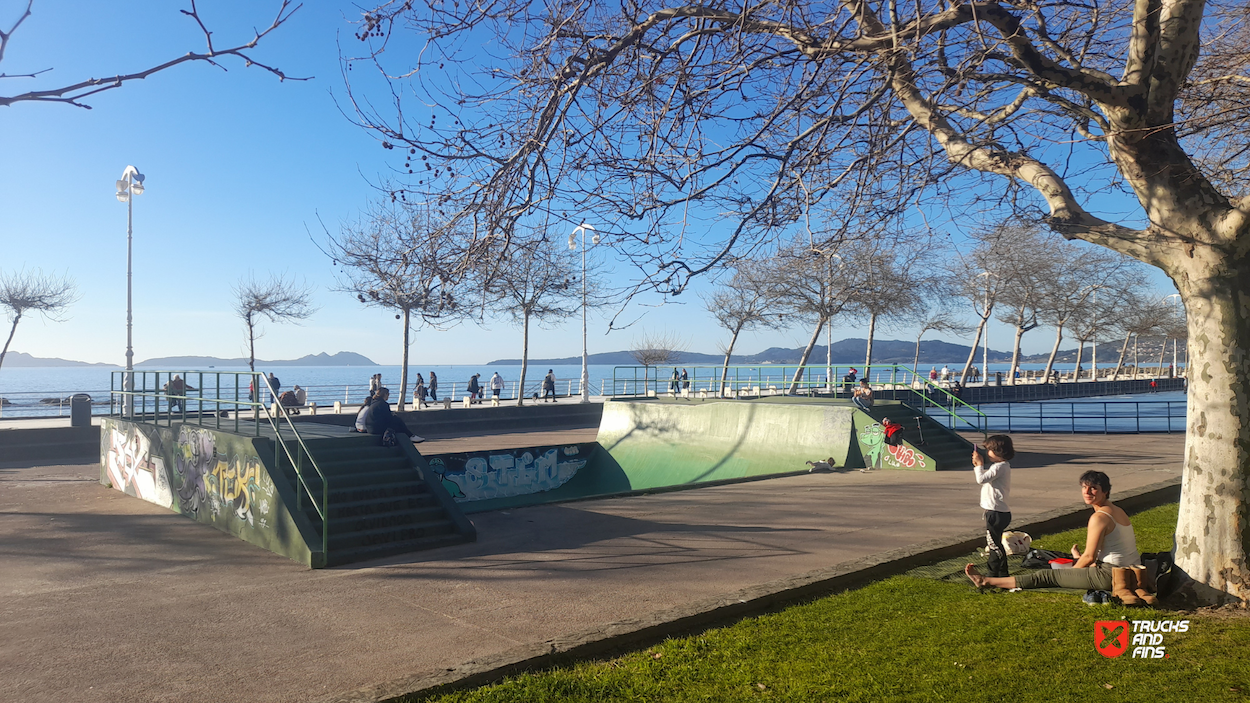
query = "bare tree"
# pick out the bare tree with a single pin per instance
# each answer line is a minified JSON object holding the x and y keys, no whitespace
{"x":1076,"y":273}
{"x":806,"y":282}
{"x":610,"y":107}
{"x":75,"y":93}
{"x":1140,"y":314}
{"x":887,"y":284}
{"x":1025,"y":267}
{"x":397,"y":257}
{"x":940,"y":319}
{"x":655,"y":348}
{"x":536,"y":281}
{"x":978,"y":279}
{"x":23,"y":293}
{"x":277,"y":300}
{"x":739,"y":306}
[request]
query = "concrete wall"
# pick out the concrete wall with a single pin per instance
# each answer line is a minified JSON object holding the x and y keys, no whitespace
{"x":212,"y":477}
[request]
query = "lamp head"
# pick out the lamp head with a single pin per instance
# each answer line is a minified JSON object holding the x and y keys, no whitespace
{"x":123,"y":196}
{"x":594,"y":239}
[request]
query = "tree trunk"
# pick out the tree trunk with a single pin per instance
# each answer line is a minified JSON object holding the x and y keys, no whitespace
{"x":724,"y":372}
{"x":525,"y":358}
{"x":1136,"y":363}
{"x":12,"y":330}
{"x":972,"y":355}
{"x":1015,"y":357}
{"x":872,"y":329}
{"x":1213,"y":530}
{"x":251,"y":349}
{"x":1050,"y":363}
{"x":811,"y":344}
{"x":403,"y":369}
{"x":915,"y":361}
{"x":1162,"y":351}
{"x":1076,"y":370}
{"x":1120,"y":364}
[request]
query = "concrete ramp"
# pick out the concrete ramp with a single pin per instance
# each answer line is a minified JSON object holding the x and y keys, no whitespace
{"x":675,"y":442}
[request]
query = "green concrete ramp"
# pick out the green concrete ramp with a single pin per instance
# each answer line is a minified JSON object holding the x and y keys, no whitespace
{"x":662,"y":442}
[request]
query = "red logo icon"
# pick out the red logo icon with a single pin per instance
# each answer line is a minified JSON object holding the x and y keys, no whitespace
{"x":1111,"y":637}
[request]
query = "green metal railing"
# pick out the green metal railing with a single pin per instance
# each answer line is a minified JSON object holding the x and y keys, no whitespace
{"x":131,"y":393}
{"x":825,"y":380}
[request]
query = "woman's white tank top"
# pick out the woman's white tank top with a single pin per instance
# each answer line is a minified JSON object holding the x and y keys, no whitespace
{"x":1119,"y":547}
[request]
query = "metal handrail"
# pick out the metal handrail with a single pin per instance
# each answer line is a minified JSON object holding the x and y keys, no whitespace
{"x":928,"y":383}
{"x":323,"y":510}
{"x":1016,"y":422}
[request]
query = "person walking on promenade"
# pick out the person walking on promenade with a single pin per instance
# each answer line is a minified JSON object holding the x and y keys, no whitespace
{"x":685,"y":381}
{"x":433,"y":387}
{"x":375,"y":382}
{"x":946,"y":373}
{"x":675,"y":384}
{"x":177,"y":387}
{"x":995,"y":482}
{"x":475,"y":389}
{"x":420,"y":392}
{"x":862,"y":397}
{"x":496,"y":385}
{"x":549,"y":386}
{"x":932,"y":373}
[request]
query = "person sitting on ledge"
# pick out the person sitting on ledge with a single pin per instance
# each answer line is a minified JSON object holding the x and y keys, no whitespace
{"x":1110,"y":561}
{"x":380,"y":418}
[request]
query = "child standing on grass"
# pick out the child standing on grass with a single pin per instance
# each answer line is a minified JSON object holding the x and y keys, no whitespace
{"x":995,"y":482}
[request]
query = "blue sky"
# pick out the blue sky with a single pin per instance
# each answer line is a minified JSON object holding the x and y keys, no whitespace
{"x":239,"y":165}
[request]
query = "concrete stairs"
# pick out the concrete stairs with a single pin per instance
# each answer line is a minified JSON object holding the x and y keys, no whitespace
{"x":948,"y":450}
{"x":380,"y":503}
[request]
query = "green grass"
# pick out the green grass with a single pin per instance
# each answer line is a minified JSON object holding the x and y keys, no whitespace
{"x":914,"y":639}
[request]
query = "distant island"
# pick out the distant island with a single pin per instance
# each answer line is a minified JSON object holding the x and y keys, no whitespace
{"x":18,"y":359}
{"x":846,"y":351}
{"x":199,"y":362}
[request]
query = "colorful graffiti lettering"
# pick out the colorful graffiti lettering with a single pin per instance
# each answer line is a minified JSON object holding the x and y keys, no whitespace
{"x":907,"y":457}
{"x":878,"y":454}
{"x":500,"y":475}
{"x":238,"y":487}
{"x":133,"y":470}
{"x":195,"y":455}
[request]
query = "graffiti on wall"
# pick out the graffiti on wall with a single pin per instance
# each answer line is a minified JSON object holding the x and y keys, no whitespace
{"x":202,"y":480}
{"x":507,"y":472}
{"x":134,"y":469}
{"x":235,"y":485}
{"x":879,"y":455}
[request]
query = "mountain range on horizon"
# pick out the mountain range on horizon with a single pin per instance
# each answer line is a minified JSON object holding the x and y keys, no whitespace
{"x":846,"y":351}
{"x":19,"y":359}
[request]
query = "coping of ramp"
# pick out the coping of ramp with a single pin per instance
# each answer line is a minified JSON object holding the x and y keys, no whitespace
{"x":634,"y":633}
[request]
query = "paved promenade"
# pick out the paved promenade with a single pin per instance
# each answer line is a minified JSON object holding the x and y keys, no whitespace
{"x":107,"y":598}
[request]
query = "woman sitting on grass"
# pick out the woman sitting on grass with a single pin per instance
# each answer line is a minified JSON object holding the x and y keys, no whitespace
{"x":1110,"y":561}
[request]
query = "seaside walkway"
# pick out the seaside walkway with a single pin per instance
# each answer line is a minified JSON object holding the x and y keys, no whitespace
{"x":110,"y":599}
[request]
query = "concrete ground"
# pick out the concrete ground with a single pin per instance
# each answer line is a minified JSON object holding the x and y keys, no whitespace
{"x":109,"y":598}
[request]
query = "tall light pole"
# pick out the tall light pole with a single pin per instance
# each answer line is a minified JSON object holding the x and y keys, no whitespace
{"x":829,"y":333}
{"x":985,"y":355}
{"x":581,"y":229}
{"x":131,"y":183}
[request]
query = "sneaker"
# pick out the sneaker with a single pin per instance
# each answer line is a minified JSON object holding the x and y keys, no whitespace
{"x":1096,"y":598}
{"x":417,"y":440}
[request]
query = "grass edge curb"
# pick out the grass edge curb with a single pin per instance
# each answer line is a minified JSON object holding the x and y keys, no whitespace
{"x":727,"y":608}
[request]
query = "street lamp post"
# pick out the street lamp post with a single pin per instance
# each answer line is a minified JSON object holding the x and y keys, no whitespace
{"x":594,"y":239}
{"x":131,"y":183}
